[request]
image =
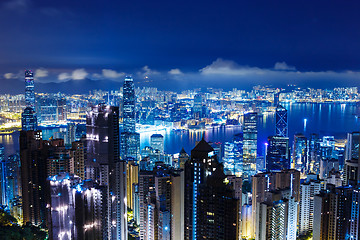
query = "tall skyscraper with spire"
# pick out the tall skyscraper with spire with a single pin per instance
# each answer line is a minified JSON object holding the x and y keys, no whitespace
{"x":28,"y":117}
{"x":29,"y":89}
{"x":130,"y":140}
{"x":281,"y":122}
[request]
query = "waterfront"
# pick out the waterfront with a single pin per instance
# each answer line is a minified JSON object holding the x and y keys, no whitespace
{"x":322,"y":118}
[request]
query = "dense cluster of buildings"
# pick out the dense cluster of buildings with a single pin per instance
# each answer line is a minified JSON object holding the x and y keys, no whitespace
{"x":96,"y":183}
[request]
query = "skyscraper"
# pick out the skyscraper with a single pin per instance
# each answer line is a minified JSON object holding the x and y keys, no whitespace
{"x":352,"y":159}
{"x":299,"y":154}
{"x":35,"y":187}
{"x":130,"y":140}
{"x":250,"y":145}
{"x":104,"y":166}
{"x":29,"y":89}
{"x":211,"y":208}
{"x":28,"y":117}
{"x":278,"y":153}
{"x":128,"y":105}
{"x":157,"y":142}
{"x":281,"y":122}
{"x":102,"y":135}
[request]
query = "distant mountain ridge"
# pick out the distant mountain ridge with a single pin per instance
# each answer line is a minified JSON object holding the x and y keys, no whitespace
{"x":16,"y":86}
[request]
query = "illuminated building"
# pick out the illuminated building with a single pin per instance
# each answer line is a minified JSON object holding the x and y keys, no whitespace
{"x":271,"y":181}
{"x":35,"y":188}
{"x":29,"y":89}
{"x":128,"y":105}
{"x":299,"y":154}
{"x":157,"y":142}
{"x":11,"y":181}
{"x":336,"y":213}
{"x":70,"y":134}
{"x":238,"y":153}
{"x":28,"y":119}
{"x":132,"y":179}
{"x":250,"y":145}
{"x":352,"y":159}
{"x":102,"y":135}
{"x":281,"y":122}
{"x":177,"y":206}
{"x":77,"y":160}
{"x":276,"y":217}
{"x":278,"y":153}
{"x":308,"y":190}
{"x":205,"y":215}
{"x":77,"y":209}
{"x":3,"y":172}
{"x":183,"y":157}
{"x":146,"y":186}
{"x":130,"y":145}
{"x":229,"y":158}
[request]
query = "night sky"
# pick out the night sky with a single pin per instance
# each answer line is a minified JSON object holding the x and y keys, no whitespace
{"x":179,"y":44}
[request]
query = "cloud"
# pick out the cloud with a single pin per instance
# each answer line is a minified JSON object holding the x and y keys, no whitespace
{"x":146,"y":72}
{"x":109,"y":73}
{"x":77,"y":74}
{"x":41,"y":72}
{"x":283,"y":66}
{"x":175,"y":71}
{"x":9,"y":75}
{"x":229,"y":68}
{"x":64,"y":76}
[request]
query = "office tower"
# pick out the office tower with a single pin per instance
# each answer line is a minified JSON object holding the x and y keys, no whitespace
{"x":281,"y":122}
{"x":229,"y":158}
{"x":276,"y":217}
{"x":132,"y":179}
{"x":250,"y":145}
{"x":238,"y":153}
{"x":77,"y":159}
{"x":278,"y":153}
{"x":299,"y":155}
{"x":327,"y":165}
{"x":102,"y":136}
{"x":35,"y":187}
{"x":352,"y":159}
{"x":28,"y":119}
{"x":207,"y":216}
{"x":70,"y":134}
{"x":177,"y":205}
{"x":334,"y":178}
{"x":183,"y":157}
{"x":336,"y":213}
{"x":29,"y":89}
{"x":130,"y":140}
{"x":128,"y":105}
{"x":136,"y":204}
{"x":314,"y":153}
{"x":276,"y":99}
{"x":157,"y":142}
{"x":130,"y":145}
{"x":308,"y":190}
{"x":197,"y":109}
